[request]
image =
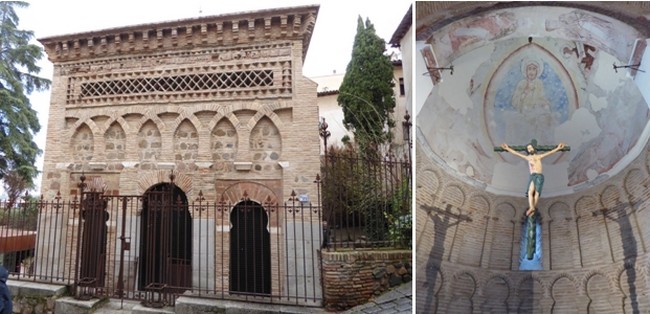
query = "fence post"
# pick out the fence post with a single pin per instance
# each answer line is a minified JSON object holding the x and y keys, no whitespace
{"x":82,"y":186}
{"x":323,"y":234}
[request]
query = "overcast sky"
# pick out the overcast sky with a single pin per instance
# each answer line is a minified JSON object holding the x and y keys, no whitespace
{"x":329,"y":50}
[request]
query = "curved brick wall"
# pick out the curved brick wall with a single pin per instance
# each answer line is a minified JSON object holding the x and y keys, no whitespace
{"x":594,"y":247}
{"x":351,"y":278}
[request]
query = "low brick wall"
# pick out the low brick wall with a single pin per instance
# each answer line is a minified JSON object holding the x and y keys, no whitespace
{"x":353,"y":277}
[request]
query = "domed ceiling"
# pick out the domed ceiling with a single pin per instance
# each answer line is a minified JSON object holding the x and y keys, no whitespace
{"x":553,"y":73}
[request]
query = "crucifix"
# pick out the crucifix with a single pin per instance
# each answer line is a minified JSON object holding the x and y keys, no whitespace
{"x":533,"y":142}
{"x":535,"y":179}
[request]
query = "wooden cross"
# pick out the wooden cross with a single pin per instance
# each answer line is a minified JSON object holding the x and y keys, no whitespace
{"x":539,"y":148}
{"x":530,"y":221}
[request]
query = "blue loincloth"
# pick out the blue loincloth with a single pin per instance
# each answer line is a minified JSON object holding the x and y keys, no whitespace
{"x":538,"y":180}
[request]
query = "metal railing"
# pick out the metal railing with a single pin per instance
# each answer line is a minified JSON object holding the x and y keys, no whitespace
{"x":160,"y":245}
{"x":157,"y":246}
{"x":366,"y":201}
{"x":366,"y":195}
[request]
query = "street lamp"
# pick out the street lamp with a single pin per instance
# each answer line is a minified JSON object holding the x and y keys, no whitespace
{"x":406,"y":128}
{"x":406,"y":131}
{"x":324,"y":133}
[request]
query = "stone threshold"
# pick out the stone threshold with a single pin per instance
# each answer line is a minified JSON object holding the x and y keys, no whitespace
{"x":184,"y":304}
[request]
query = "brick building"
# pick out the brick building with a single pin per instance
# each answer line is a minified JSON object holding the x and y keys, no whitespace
{"x":217,"y":104}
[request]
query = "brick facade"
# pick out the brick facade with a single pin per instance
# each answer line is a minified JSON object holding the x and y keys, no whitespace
{"x":221,"y":101}
{"x":215,"y":98}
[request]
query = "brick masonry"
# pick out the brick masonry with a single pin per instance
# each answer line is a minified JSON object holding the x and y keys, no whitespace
{"x":214,"y":98}
{"x":353,"y":277}
{"x":594,"y":247}
{"x":221,"y":101}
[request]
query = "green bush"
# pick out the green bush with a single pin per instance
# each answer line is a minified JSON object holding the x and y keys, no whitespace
{"x":359,"y":191}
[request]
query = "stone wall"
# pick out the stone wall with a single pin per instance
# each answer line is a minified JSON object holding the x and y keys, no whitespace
{"x":594,"y":252}
{"x":353,"y":277}
{"x":36,"y":298}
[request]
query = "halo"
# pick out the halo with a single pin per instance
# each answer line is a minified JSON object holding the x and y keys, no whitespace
{"x":532,"y":60}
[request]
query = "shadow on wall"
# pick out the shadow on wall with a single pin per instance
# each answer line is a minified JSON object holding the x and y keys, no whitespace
{"x":439,"y":294}
{"x":619,"y":215}
{"x":442,"y":221}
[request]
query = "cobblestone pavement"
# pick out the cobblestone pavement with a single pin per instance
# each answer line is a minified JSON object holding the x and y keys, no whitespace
{"x":398,"y":300}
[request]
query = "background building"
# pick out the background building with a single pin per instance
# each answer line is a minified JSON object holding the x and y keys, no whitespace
{"x":329,"y":108}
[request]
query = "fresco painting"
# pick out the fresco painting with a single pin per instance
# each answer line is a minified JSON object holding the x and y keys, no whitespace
{"x":530,"y":95}
{"x":592,"y":28}
{"x":622,"y":122}
{"x":462,"y":34}
{"x":550,"y":88}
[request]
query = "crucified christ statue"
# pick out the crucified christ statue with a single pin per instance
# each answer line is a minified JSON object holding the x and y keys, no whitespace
{"x":536,"y":178}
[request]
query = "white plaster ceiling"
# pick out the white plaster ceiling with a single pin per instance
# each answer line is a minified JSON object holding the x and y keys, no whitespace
{"x":578,"y":97}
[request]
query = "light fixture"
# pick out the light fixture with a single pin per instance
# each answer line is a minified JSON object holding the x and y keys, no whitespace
{"x":406,"y":128}
{"x":450,"y":68}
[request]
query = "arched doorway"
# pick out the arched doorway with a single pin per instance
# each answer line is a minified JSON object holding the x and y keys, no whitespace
{"x":165,"y":239}
{"x":92,"y":262}
{"x":250,"y":249}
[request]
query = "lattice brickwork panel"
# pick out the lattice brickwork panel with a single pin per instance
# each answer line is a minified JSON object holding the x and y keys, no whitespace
{"x":273,"y":80}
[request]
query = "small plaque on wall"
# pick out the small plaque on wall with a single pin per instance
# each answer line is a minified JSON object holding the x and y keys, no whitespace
{"x":243,"y":165}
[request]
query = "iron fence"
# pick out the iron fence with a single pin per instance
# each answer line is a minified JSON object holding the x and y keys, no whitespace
{"x":366,"y":196}
{"x":366,"y":200}
{"x":157,"y":246}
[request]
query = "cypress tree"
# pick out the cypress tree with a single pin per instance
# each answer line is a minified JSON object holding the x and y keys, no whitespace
{"x":366,"y":94}
{"x":18,"y":120}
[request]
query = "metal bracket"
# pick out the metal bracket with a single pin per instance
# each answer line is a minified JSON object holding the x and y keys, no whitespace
{"x":630,"y":66}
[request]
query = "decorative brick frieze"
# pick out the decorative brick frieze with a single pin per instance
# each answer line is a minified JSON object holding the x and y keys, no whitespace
{"x":181,"y":80}
{"x":293,"y":24}
{"x":141,"y":98}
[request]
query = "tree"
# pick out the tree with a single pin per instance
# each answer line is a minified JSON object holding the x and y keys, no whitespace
{"x":18,"y":121}
{"x":366,"y":94}
{"x":14,"y":185}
